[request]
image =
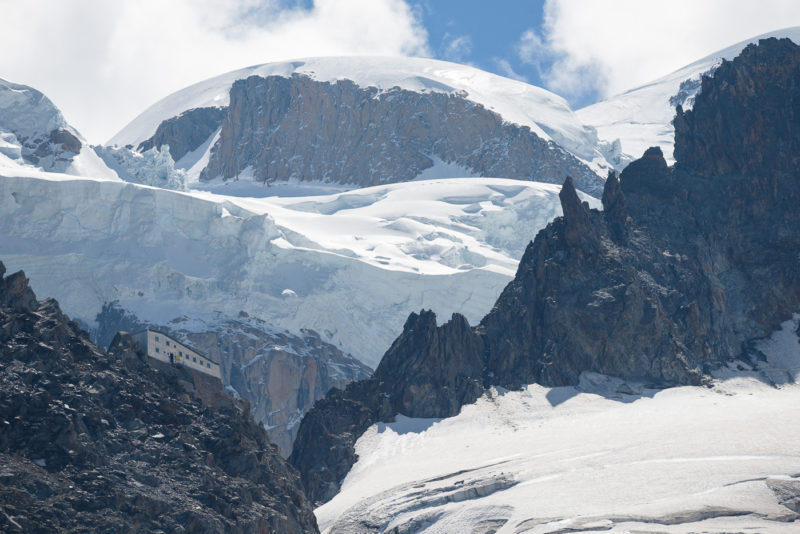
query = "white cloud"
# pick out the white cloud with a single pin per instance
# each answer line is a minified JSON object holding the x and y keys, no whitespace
{"x":104,"y":62}
{"x":504,"y":67}
{"x":456,"y":48}
{"x":612,"y":45}
{"x":531,"y":49}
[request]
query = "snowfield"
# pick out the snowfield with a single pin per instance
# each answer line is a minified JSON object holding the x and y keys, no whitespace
{"x":603,"y":456}
{"x":642,"y":117}
{"x":350,"y":265}
{"x":546,"y":114}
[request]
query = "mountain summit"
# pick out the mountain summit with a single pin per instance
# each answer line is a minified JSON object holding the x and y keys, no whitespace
{"x":367,"y":121}
{"x":641,"y":117}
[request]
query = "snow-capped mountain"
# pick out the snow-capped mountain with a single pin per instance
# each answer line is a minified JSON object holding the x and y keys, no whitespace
{"x":681,"y":280}
{"x":547,"y":114}
{"x":34,"y":134}
{"x":251,"y":280}
{"x":307,"y":120}
{"x":642,"y":117}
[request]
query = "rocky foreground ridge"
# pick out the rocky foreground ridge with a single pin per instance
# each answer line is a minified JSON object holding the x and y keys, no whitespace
{"x":680,"y":272}
{"x":95,"y":441}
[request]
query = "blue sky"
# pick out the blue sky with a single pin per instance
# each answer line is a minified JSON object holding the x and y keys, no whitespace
{"x":586,"y":50}
{"x":484,"y":34}
{"x":105,"y":62}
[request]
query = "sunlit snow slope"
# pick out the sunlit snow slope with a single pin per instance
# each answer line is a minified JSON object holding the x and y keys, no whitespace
{"x":548,"y":115}
{"x":351,"y":265}
{"x":602,"y":456}
{"x":642,"y":117}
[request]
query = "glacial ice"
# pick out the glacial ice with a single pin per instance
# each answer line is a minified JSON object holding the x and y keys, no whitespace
{"x":358,"y":262}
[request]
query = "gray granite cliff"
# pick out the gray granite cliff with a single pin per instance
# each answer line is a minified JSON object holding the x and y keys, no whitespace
{"x":295,"y":128}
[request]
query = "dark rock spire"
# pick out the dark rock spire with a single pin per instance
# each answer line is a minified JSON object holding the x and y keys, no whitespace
{"x":615,"y":206}
{"x":576,"y":214}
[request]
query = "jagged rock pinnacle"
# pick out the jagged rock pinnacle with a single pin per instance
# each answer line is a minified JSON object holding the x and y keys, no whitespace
{"x":15,"y":292}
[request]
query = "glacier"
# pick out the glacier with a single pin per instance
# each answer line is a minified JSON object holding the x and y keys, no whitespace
{"x":605,"y":455}
{"x":349,"y":265}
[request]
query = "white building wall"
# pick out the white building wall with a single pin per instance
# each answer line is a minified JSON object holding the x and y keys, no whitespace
{"x":161,"y":346}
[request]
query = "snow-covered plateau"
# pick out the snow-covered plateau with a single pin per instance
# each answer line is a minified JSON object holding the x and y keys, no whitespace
{"x":349,"y":265}
{"x":642,"y":117}
{"x":602,"y":456}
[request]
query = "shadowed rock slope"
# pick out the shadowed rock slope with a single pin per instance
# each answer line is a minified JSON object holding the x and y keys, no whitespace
{"x":682,"y":270}
{"x":186,"y":132}
{"x":104,"y":442}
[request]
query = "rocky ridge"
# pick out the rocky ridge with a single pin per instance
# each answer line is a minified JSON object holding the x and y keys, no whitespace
{"x":641,"y":117}
{"x":96,"y":441}
{"x":683,"y":270}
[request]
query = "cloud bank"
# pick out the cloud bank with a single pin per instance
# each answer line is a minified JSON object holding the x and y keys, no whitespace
{"x":104,"y":62}
{"x":590,"y":49}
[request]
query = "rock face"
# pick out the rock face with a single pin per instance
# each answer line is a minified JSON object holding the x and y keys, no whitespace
{"x":441,"y":364}
{"x":297,"y":128}
{"x":641,"y":117}
{"x":281,"y":375}
{"x":186,"y":132}
{"x":440,"y":369}
{"x":753,"y":101}
{"x":684,"y":268}
{"x":101,"y":442}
